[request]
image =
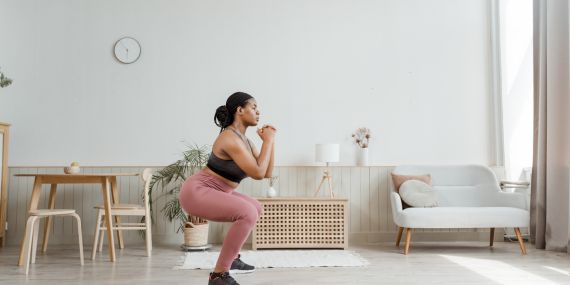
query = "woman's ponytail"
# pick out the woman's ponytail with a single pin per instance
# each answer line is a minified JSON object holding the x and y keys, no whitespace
{"x":223,"y":118}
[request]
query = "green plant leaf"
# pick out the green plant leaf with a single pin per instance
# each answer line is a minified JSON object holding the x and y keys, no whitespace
{"x":166,"y":183}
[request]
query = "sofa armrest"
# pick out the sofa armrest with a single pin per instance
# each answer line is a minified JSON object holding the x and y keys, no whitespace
{"x":508,"y":199}
{"x":513,"y":184}
{"x":396,"y":204}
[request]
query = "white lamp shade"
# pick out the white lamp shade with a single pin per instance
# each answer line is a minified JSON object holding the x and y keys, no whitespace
{"x":327,"y":152}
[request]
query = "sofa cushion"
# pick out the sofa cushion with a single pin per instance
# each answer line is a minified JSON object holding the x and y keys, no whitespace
{"x":463,"y":217}
{"x":418,"y":194}
{"x":398,"y":179}
{"x":458,"y":185}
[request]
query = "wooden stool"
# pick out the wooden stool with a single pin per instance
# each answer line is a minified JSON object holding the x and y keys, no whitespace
{"x":32,"y":228}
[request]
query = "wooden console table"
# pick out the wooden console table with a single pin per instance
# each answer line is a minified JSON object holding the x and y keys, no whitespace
{"x":302,"y":222}
{"x":3,"y":180}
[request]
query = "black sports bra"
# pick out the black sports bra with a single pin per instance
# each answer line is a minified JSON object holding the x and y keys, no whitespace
{"x":228,"y":168}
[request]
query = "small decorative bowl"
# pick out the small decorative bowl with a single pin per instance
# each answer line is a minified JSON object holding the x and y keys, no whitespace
{"x":71,"y":169}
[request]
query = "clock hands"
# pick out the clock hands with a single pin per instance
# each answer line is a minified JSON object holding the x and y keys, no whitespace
{"x":123,"y":48}
{"x":126,"y":49}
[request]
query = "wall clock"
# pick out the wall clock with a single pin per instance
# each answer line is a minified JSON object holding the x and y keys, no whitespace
{"x":127,"y":50}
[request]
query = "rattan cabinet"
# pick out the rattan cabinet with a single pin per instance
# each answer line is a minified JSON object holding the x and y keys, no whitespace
{"x":302,"y":222}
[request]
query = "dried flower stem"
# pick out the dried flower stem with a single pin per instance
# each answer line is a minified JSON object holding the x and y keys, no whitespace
{"x":273,"y":180}
{"x":362,"y":137}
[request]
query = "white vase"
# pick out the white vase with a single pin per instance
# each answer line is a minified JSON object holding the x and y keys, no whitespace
{"x":271,"y":192}
{"x":362,"y":156}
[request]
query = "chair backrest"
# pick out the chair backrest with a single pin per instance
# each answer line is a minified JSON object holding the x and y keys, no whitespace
{"x":146,"y":176}
{"x":458,"y":185}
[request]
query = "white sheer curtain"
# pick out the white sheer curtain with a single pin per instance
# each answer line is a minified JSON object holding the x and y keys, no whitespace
{"x":550,"y":199}
{"x":516,"y":39}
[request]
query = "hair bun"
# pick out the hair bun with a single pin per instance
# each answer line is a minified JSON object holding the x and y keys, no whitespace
{"x":221,"y":117}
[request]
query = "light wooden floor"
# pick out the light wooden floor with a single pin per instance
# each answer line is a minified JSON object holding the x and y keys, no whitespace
{"x":428,"y":263}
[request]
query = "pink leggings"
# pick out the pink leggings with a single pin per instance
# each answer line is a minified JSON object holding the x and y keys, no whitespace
{"x":207,"y":196}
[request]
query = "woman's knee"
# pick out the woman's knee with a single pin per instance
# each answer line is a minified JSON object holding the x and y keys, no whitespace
{"x":251,"y":201}
{"x":250,"y":215}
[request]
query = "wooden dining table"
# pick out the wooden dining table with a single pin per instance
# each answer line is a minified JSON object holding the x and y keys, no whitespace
{"x":108,"y":183}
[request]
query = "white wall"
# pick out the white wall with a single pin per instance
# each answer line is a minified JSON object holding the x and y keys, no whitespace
{"x":415,"y":72}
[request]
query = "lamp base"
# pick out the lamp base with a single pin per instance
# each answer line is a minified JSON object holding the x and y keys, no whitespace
{"x":328,"y":178}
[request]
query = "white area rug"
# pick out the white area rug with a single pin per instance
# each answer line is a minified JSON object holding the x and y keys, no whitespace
{"x":277,"y":258}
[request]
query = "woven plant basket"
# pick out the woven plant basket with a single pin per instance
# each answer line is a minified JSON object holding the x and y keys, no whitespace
{"x":196,"y":235}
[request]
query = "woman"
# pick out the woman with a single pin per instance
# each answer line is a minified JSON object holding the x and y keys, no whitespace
{"x":210,"y":193}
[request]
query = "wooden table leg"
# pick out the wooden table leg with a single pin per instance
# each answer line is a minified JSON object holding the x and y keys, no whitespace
{"x":47,"y":223}
{"x":34,"y":200}
{"x":108,"y":218}
{"x":115,"y":197}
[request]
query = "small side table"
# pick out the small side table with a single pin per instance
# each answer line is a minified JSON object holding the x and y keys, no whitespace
{"x":302,"y":222}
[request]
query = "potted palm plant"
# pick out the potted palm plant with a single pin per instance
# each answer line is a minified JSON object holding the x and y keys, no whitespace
{"x":167,"y":182}
{"x":4,"y":81}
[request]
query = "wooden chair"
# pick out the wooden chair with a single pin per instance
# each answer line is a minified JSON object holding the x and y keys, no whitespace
{"x":32,"y":229}
{"x":127,"y":210}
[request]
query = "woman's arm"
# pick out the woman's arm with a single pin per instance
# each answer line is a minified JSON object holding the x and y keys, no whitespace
{"x":269,"y":172}
{"x":254,"y":167}
{"x":255,"y":152}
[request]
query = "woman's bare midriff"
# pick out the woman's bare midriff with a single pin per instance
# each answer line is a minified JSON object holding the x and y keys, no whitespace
{"x":229,"y":182}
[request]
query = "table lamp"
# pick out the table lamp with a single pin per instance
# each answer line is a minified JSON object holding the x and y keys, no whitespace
{"x":326,"y":153}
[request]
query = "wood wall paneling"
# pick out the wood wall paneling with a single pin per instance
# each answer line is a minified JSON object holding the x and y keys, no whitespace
{"x":367,"y":188}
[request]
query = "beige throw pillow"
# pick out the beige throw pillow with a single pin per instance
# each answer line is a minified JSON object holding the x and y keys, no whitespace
{"x":418,"y":194}
{"x":399,"y":179}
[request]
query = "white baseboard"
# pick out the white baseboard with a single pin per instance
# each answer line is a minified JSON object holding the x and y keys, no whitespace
{"x":363,"y":238}
{"x":176,"y":239}
{"x":377,"y":237}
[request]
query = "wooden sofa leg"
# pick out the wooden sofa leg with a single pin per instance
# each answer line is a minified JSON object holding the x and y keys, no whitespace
{"x":408,"y":238}
{"x":492,"y":237}
{"x":521,"y":241}
{"x":400,"y":230}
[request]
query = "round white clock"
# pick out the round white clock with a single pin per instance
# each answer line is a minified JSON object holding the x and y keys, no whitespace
{"x":127,"y":50}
